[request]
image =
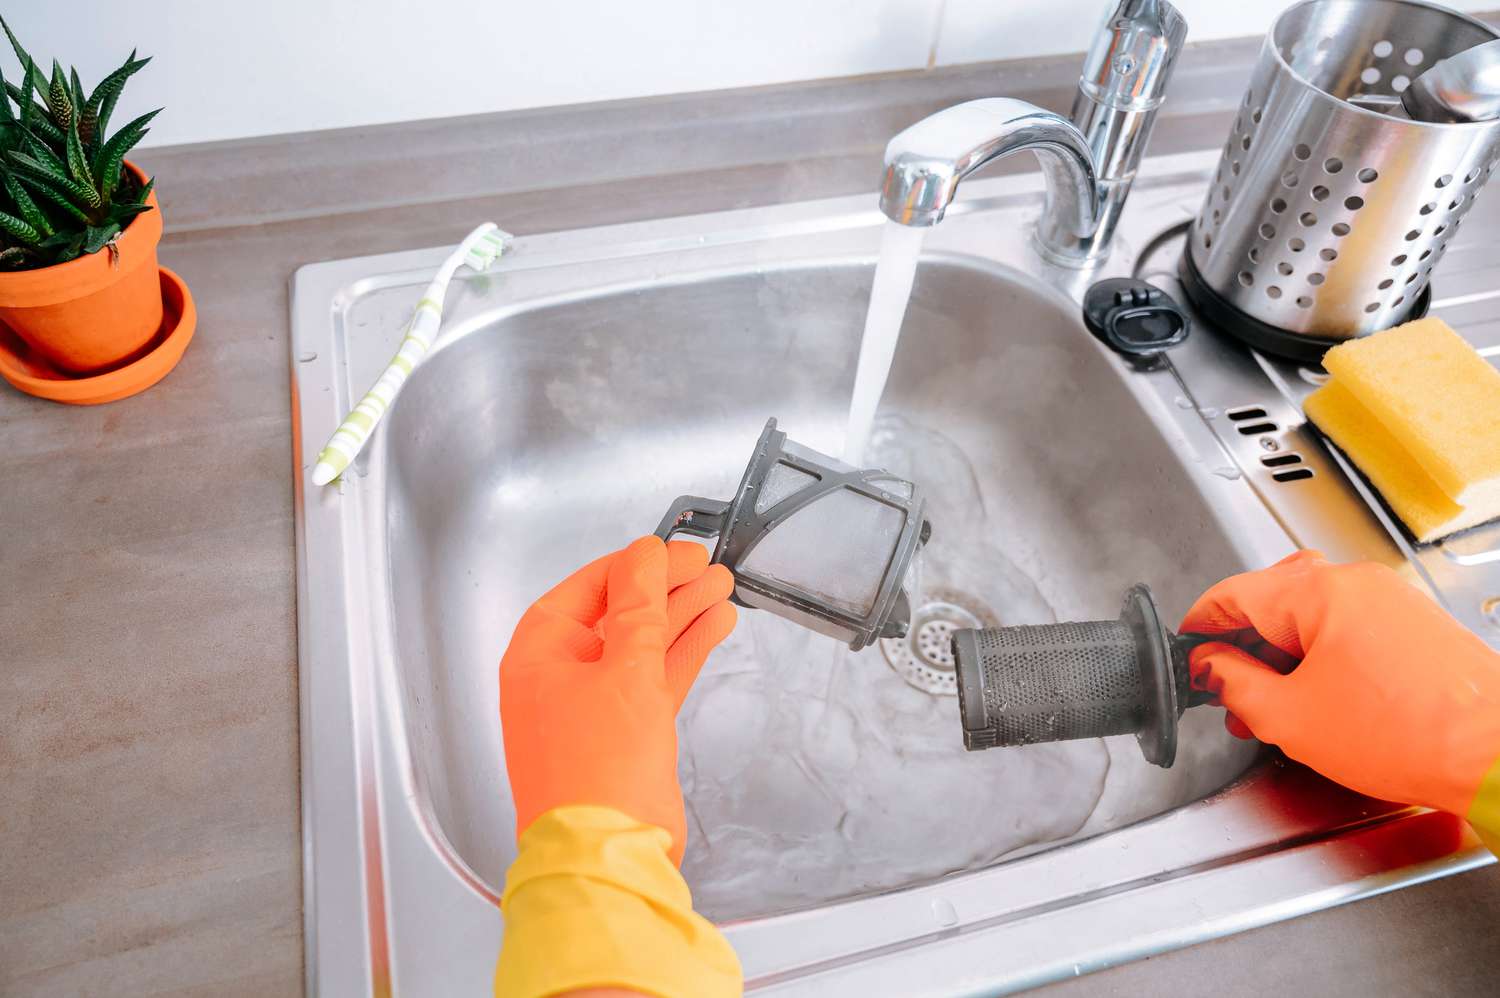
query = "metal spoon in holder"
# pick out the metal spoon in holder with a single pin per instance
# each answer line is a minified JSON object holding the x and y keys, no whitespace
{"x":1462,"y":87}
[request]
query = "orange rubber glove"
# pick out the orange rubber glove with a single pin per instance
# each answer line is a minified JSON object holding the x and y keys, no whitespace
{"x":593,"y":678}
{"x":1355,"y":673}
{"x":589,"y":692}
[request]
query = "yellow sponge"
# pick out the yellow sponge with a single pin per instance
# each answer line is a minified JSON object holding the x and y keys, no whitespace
{"x":1437,"y":397}
{"x":1418,"y":410}
{"x":1409,"y":490}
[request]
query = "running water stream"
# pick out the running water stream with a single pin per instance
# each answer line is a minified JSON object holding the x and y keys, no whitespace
{"x":900,"y":246}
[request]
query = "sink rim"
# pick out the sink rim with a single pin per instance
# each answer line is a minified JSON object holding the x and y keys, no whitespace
{"x":356,"y":787}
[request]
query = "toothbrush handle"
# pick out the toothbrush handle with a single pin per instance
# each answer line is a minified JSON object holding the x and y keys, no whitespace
{"x":349,"y":439}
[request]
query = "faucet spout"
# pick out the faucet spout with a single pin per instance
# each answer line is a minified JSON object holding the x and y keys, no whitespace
{"x":924,"y":163}
{"x":1089,"y":163}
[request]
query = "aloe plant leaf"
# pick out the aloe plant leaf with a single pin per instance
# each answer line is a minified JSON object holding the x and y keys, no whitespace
{"x":43,"y":153}
{"x":21,"y":54}
{"x":60,"y":168}
{"x":40,"y":123}
{"x":98,"y":235}
{"x":123,"y":213}
{"x":26,"y":206}
{"x":111,"y":155}
{"x":69,"y":247}
{"x":6,"y":114}
{"x":19,"y":229}
{"x":17,"y":94}
{"x":50,"y":190}
{"x":58,"y":98}
{"x":101,"y":102}
{"x":34,"y":114}
{"x":23,"y":97}
{"x":56,"y":199}
{"x":78,"y":164}
{"x":42,"y":179}
{"x":63,"y":247}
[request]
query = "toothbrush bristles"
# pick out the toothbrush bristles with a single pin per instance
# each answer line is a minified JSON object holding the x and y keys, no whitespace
{"x":486,"y":250}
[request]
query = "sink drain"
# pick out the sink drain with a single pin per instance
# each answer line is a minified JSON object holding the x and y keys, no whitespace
{"x":924,"y":658}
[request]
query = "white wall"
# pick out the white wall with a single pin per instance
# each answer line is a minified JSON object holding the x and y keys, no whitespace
{"x":235,"y":68}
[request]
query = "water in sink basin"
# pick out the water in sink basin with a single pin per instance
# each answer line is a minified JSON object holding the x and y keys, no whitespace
{"x":522,"y":450}
{"x":813,"y":772}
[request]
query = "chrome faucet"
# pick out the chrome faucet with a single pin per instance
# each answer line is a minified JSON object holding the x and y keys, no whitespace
{"x":1088,"y":163}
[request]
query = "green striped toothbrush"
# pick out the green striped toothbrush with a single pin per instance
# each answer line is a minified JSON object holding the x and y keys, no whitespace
{"x":479,"y":250}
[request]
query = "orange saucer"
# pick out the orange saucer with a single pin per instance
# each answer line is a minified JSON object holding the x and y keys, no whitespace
{"x":32,"y":374}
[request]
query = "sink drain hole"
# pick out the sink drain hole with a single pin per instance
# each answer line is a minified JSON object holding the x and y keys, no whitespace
{"x":924,"y":658}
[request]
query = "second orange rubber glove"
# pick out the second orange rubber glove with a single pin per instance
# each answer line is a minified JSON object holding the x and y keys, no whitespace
{"x":1352,"y":671}
{"x":593,"y":677}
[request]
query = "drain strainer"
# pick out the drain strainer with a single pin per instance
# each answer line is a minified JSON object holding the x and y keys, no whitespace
{"x":924,"y":658}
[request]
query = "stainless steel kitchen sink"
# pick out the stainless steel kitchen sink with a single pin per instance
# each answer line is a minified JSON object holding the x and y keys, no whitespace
{"x":837,"y":828}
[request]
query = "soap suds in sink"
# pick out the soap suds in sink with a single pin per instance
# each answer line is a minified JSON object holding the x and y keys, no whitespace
{"x":813,"y":773}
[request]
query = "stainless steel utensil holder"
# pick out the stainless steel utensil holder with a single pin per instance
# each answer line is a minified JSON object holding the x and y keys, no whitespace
{"x":1326,"y":219}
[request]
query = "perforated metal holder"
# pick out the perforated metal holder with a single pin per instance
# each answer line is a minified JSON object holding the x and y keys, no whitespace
{"x":865,"y":525}
{"x":1053,"y":682}
{"x":1326,"y":218}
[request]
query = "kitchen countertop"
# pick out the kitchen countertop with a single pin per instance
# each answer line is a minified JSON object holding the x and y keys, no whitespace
{"x":148,"y":750}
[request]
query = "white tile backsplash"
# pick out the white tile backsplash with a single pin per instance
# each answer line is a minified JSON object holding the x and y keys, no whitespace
{"x":237,"y":68}
{"x":981,"y":30}
{"x":229,"y":69}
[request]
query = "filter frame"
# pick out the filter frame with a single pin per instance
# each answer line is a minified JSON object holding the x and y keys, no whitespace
{"x":739,"y":528}
{"x":1153,"y":645}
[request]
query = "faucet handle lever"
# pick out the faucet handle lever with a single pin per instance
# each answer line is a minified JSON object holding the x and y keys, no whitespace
{"x":1123,"y":83}
{"x":1131,"y":58}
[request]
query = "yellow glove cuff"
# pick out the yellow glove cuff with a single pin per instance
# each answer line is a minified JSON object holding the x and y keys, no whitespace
{"x":1484,"y":813}
{"x":594,"y":901}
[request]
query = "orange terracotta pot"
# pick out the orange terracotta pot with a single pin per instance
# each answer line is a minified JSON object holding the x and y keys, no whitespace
{"x":94,"y":313}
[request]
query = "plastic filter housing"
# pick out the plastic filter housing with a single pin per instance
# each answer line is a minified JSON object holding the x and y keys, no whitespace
{"x":1091,"y":679}
{"x":814,"y":540}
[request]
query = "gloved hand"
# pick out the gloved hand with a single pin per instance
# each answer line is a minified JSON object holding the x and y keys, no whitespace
{"x":589,"y":691}
{"x":593,"y":678}
{"x":1357,"y":674}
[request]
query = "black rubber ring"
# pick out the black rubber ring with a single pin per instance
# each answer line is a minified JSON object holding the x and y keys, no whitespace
{"x":1262,"y":335}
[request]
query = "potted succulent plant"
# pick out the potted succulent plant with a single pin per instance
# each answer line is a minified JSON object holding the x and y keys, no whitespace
{"x":79,"y":280}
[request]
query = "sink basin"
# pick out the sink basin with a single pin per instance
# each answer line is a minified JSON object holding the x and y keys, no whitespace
{"x":837,"y":829}
{"x":812,"y":773}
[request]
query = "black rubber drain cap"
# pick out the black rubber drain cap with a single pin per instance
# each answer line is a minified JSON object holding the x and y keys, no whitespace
{"x":1133,"y":317}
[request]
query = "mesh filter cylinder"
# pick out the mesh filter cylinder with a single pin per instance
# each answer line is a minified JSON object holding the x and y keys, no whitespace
{"x":1052,"y":682}
{"x":1056,"y":681}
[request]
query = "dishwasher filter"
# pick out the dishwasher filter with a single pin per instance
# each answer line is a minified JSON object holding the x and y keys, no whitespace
{"x":1052,"y":682}
{"x":814,"y":540}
